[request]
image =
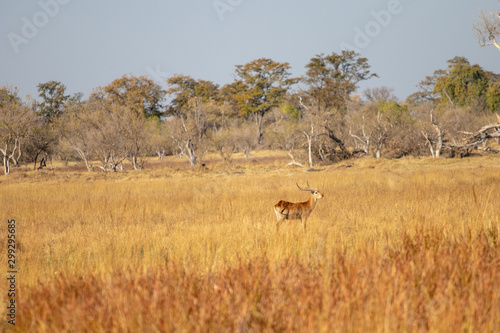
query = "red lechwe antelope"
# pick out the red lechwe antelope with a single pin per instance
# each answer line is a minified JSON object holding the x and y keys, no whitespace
{"x":297,"y":211}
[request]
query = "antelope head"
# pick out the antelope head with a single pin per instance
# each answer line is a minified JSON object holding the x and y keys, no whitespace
{"x":314,"y":191}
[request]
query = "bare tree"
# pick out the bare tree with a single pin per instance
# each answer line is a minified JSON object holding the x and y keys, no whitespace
{"x":188,"y":127}
{"x":76,"y":129}
{"x":185,"y":139}
{"x":223,"y":141}
{"x":373,"y":133}
{"x":133,"y":133}
{"x":226,"y":134}
{"x":487,"y":29}
{"x":160,"y":142}
{"x":284,"y":134}
{"x":41,"y":144}
{"x":16,"y":122}
{"x":311,"y":120}
{"x":370,"y":124}
{"x":435,"y":142}
{"x":245,"y":139}
{"x":98,"y":130}
{"x":380,"y":94}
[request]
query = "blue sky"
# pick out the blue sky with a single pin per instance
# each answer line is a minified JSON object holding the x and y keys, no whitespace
{"x":86,"y":44}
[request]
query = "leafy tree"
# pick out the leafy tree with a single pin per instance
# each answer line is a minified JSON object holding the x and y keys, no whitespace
{"x":9,"y":95}
{"x":426,"y":92}
{"x":330,"y":83}
{"x":41,"y":143}
{"x":331,"y":79}
{"x":463,"y":84}
{"x":460,"y":85}
{"x":53,"y":98}
{"x":260,"y":85}
{"x":44,"y":136}
{"x":291,"y":110}
{"x":493,"y":96}
{"x":183,"y":88}
{"x":140,"y":94}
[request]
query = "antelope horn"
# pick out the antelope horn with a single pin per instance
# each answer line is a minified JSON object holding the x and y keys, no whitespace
{"x":309,"y":188}
{"x":300,"y":188}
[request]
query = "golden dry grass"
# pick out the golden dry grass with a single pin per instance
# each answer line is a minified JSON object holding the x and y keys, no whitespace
{"x":395,"y":245}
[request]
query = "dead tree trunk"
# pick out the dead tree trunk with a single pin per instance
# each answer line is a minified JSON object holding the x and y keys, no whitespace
{"x":382,"y":137}
{"x":365,"y":141}
{"x":435,"y":146}
{"x":345,"y":153}
{"x":187,"y":149}
{"x":6,"y":165}
{"x":294,"y":162}
{"x":491,"y":131}
{"x":259,"y":120}
{"x":8,"y":156}
{"x":309,"y":138}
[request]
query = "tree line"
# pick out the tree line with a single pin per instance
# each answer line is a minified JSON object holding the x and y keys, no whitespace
{"x":317,"y":118}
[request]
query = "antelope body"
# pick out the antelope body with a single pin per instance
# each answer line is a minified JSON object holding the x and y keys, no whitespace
{"x":297,"y":211}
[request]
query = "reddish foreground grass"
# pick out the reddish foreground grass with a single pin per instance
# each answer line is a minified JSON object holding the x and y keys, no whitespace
{"x":432,"y":282}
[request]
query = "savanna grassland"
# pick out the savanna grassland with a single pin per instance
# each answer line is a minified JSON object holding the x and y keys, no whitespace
{"x":405,"y":245}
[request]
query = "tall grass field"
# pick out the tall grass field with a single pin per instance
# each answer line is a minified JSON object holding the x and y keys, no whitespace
{"x":409,"y":245}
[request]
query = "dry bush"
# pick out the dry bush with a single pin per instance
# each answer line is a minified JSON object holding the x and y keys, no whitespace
{"x":395,"y":245}
{"x":432,"y":282}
